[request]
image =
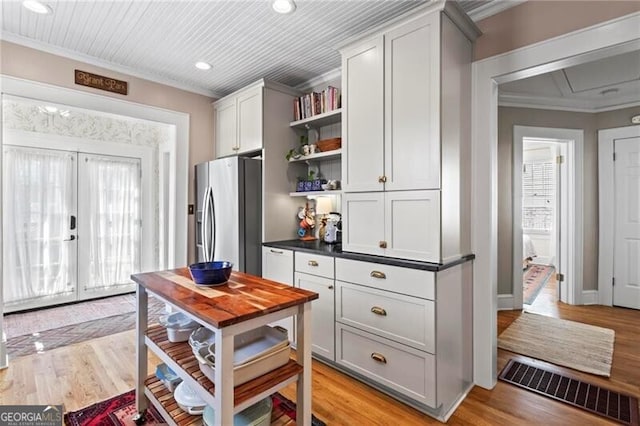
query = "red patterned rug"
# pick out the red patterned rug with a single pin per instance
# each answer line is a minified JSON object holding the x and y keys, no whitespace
{"x":534,"y":280}
{"x":119,"y":411}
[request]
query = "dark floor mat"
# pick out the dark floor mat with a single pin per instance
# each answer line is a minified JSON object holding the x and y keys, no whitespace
{"x":595,"y":399}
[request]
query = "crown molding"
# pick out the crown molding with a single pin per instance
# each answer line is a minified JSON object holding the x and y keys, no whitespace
{"x":492,"y":8}
{"x":81,"y":57}
{"x":562,"y":104}
{"x":320,"y":80}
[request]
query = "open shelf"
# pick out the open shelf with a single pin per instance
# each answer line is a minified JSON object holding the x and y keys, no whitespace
{"x":318,"y":156}
{"x":180,"y":359}
{"x":315,"y":193}
{"x":162,"y":399}
{"x":318,"y":120}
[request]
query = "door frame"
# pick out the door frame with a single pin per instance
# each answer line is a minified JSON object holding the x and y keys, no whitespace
{"x":572,"y":265}
{"x":606,"y":188}
{"x":599,"y":41}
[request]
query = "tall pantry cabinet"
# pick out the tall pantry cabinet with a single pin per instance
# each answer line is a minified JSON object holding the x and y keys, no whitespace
{"x":407,"y":142}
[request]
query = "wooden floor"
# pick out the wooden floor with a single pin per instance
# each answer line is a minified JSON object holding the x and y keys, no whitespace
{"x":85,"y":373}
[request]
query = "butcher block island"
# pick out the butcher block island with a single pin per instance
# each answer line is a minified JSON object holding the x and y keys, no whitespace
{"x":244,"y":303}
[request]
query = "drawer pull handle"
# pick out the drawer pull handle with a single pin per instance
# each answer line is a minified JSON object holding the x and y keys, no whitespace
{"x":379,"y":358}
{"x":378,"y":274}
{"x":312,"y":263}
{"x":379,"y":311}
{"x":276,"y":251}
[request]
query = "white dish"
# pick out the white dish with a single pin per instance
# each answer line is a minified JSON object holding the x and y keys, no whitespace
{"x":188,"y":400}
{"x":255,"y":343}
{"x":201,"y":337}
{"x":248,"y":371}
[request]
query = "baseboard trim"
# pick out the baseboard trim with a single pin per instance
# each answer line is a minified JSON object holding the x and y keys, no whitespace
{"x":590,"y":297}
{"x":505,"y":302}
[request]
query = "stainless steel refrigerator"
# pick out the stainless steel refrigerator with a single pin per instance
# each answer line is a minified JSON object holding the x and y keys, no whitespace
{"x":229,"y":212}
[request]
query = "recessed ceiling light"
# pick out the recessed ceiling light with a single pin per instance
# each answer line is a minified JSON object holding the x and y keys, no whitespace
{"x":283,"y":6}
{"x":203,"y":65}
{"x":37,"y":7}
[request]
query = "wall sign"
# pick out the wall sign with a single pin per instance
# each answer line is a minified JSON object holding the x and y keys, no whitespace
{"x":101,"y":82}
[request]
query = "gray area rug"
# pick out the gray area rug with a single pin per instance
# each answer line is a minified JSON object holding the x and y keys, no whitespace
{"x":571,"y":344}
{"x":45,"y":340}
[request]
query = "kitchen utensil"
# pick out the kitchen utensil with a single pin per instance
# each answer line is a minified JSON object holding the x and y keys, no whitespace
{"x":333,"y":228}
{"x":201,"y":337}
{"x":179,"y":326}
{"x":168,"y":377}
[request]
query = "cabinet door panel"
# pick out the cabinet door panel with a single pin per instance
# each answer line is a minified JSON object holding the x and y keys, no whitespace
{"x":226,"y":129}
{"x":322,"y":313}
{"x":277,"y":265}
{"x":250,"y":121}
{"x":363,"y":117}
{"x":412,"y":224}
{"x":412,"y":106}
{"x":363,"y":222}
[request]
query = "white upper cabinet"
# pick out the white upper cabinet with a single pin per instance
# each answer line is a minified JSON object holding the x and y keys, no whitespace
{"x":412,"y":116}
{"x":239,"y":123}
{"x":363,"y":117}
{"x":250,"y":120}
{"x":226,"y":129}
{"x":406,"y":137}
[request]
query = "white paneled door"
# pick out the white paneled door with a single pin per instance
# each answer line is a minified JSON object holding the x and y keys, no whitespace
{"x":71,"y":226}
{"x":626,"y":264}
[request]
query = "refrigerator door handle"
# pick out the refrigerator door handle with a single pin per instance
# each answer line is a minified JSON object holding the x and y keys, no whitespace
{"x":203,"y":230}
{"x":212,"y":218}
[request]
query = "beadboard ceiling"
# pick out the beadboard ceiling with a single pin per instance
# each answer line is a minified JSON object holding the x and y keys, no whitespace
{"x":244,"y":40}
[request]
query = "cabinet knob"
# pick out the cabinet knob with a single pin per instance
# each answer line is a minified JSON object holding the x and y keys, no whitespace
{"x":382,"y":179}
{"x":379,"y":358}
{"x":312,"y":263}
{"x":236,"y":148}
{"x":378,"y":274}
{"x":330,"y":287}
{"x":379,"y":311}
{"x":382,"y":244}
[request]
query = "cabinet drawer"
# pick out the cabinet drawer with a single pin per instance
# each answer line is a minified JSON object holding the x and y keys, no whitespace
{"x":401,"y":368}
{"x":413,"y":282}
{"x":314,"y":264}
{"x":388,"y":315}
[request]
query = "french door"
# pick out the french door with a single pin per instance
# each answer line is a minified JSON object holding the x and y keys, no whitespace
{"x":71,"y":226}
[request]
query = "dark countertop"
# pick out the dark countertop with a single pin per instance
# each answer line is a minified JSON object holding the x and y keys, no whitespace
{"x":335,"y":250}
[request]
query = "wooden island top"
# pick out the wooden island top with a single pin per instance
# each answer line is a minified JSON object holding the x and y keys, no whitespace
{"x":243,"y":297}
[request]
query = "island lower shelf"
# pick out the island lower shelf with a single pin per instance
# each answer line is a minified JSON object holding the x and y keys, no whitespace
{"x":162,"y":400}
{"x":179,"y":358}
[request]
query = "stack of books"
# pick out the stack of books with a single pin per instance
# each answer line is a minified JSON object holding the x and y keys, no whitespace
{"x":316,"y":103}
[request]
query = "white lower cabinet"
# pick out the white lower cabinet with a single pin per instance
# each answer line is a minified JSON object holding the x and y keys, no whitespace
{"x":277,"y":265}
{"x":316,"y":273}
{"x":322,"y":315}
{"x":398,"y":367}
{"x":406,"y":331}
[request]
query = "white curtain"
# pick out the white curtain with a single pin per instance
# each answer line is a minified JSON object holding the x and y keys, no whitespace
{"x":38,"y":200}
{"x":113,"y":215}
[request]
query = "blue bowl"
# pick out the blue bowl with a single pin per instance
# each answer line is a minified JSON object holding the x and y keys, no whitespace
{"x":211,"y":273}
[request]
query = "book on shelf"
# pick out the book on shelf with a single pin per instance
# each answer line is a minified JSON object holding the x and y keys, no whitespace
{"x":315,"y":103}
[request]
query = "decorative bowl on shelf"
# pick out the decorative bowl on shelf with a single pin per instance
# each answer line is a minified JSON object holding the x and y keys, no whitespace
{"x":211,"y":273}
